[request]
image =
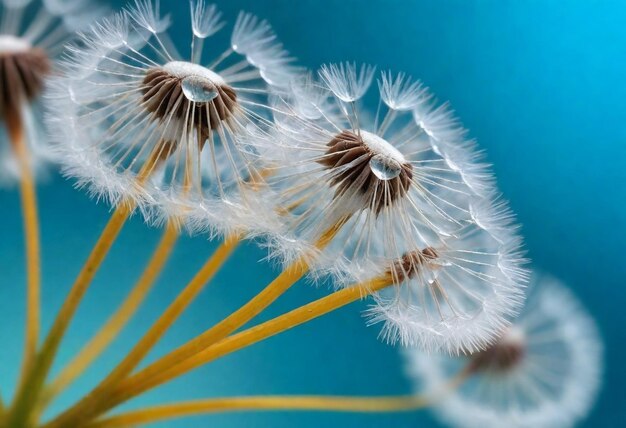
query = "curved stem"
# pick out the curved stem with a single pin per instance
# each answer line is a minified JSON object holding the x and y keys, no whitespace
{"x":27,"y":396}
{"x":231,"y":323}
{"x":119,"y":319}
{"x":247,"y":312}
{"x":15,"y":130}
{"x":277,"y":402}
{"x":353,"y":404}
{"x":90,"y":405}
{"x":140,"y":383}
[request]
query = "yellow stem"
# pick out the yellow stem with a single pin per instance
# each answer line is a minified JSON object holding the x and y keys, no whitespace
{"x":88,"y":403}
{"x":140,"y":383}
{"x":2,"y":410}
{"x":354,"y":404}
{"x":27,"y":393}
{"x":317,"y":403}
{"x":15,"y":130}
{"x":231,"y":323}
{"x":27,"y":396}
{"x":91,"y":404}
{"x":119,"y":319}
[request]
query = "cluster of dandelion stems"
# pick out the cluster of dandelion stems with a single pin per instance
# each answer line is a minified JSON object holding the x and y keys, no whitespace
{"x":36,"y":391}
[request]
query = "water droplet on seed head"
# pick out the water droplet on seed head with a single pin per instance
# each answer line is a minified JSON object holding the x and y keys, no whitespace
{"x":384,"y":167}
{"x":198,"y":90}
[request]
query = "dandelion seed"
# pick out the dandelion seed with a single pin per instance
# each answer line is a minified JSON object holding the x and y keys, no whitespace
{"x":401,"y":93}
{"x":346,"y":82}
{"x":543,"y":371}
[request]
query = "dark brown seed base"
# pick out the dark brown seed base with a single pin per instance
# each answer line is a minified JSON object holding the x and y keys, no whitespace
{"x":499,"y":357}
{"x":410,"y":263}
{"x":349,"y":157}
{"x":163,"y":97}
{"x":22,"y":76}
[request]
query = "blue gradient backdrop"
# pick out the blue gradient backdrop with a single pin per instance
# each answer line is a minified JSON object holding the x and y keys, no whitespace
{"x":540,"y":84}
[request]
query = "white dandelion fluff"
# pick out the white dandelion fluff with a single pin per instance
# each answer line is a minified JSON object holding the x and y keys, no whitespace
{"x":397,"y":206}
{"x":448,"y":139}
{"x":544,"y":371}
{"x":27,"y":50}
{"x":346,"y":82}
{"x":456,"y":296}
{"x":139,"y":122}
{"x":401,"y":93}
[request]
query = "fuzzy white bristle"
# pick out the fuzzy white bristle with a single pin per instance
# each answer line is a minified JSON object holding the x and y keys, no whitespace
{"x":346,"y":82}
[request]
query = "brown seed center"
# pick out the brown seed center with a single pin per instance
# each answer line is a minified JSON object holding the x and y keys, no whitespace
{"x":22,"y":76}
{"x":502,"y":356}
{"x":410,"y":263}
{"x":365,"y":168}
{"x":203,"y":103}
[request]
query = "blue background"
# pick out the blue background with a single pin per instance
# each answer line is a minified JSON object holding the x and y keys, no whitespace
{"x":540,"y":84}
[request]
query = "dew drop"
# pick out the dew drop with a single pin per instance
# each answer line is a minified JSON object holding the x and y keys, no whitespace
{"x":198,"y":90}
{"x":429,"y":276}
{"x":384,"y":167}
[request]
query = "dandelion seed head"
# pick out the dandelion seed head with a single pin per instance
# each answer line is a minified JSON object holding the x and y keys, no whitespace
{"x":179,"y":87}
{"x":451,"y":297}
{"x":27,"y":51}
{"x":334,"y":160}
{"x":402,"y":206}
{"x":542,"y":371}
{"x":25,"y":69}
{"x":369,"y":163}
{"x":179,"y":126}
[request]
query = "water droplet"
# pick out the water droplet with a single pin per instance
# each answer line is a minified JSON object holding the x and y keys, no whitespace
{"x":198,"y":90}
{"x":428,"y":275}
{"x":384,"y":167}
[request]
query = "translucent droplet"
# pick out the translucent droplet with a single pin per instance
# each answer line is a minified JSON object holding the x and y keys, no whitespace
{"x":384,"y":167}
{"x":198,"y":90}
{"x":428,"y":275}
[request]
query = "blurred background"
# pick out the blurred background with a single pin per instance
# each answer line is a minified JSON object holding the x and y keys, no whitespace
{"x":540,"y":84}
